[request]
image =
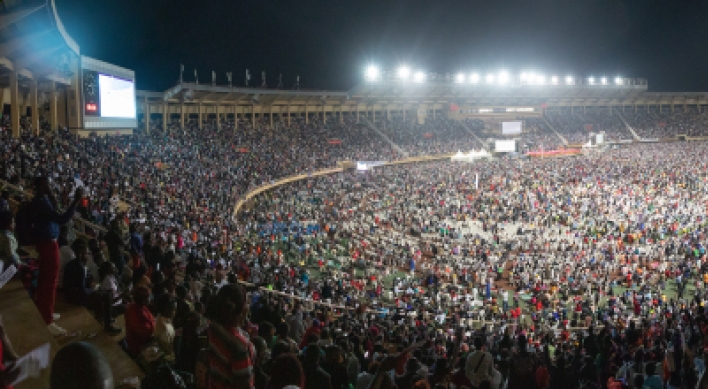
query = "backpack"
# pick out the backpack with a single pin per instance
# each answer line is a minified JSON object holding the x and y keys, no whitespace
{"x":25,"y":230}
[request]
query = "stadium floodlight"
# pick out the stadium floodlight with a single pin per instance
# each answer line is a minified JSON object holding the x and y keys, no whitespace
{"x":490,"y":79}
{"x":503,"y":77}
{"x":474,"y":78}
{"x":460,"y":77}
{"x":591,"y":80}
{"x":372,"y":73}
{"x":419,"y":76}
{"x":569,"y":80}
{"x":540,"y":79}
{"x":554,"y":80}
{"x":404,"y":72}
{"x":603,"y":80}
{"x":619,"y":81}
{"x":524,"y":76}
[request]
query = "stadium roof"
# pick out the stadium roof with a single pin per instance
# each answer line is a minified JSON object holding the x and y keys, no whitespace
{"x":34,"y":43}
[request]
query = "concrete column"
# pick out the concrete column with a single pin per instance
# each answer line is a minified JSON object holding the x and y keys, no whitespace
{"x":357,"y":113}
{"x":271,"y":116}
{"x":324,"y":113}
{"x":307,"y":115}
{"x":199,"y":125}
{"x":53,"y":98}
{"x":218,"y":118}
{"x":341,"y":115}
{"x":34,"y":106}
{"x":14,"y":106}
{"x":288,"y":114}
{"x":164,"y":116}
{"x":373,"y":114}
{"x":253,"y":115}
{"x":146,"y":114}
{"x":181,"y":115}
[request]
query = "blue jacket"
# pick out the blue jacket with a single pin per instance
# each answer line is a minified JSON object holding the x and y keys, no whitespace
{"x":47,"y":220}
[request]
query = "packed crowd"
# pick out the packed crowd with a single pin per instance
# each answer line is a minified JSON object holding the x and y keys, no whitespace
{"x":554,"y":273}
{"x":577,"y":124}
{"x":667,"y":123}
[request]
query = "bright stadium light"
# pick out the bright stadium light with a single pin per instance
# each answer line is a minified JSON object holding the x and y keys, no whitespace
{"x":524,"y":76}
{"x":490,"y":79}
{"x":404,"y":72}
{"x":419,"y":76}
{"x":460,"y":78}
{"x":503,"y":77}
{"x":591,"y":80}
{"x":569,"y":80}
{"x":554,"y":80}
{"x":372,"y":73}
{"x":619,"y":81}
{"x":540,"y":79}
{"x":474,"y":78}
{"x":603,"y":80}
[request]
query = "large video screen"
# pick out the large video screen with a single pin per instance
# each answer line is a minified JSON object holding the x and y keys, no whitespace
{"x":505,"y":146}
{"x":511,"y":128}
{"x":117,"y":97}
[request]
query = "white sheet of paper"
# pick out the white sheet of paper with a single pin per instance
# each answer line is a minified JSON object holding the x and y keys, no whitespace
{"x":33,"y":363}
{"x":7,"y":275}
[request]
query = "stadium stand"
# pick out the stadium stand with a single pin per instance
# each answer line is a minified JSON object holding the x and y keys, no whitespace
{"x":591,"y":267}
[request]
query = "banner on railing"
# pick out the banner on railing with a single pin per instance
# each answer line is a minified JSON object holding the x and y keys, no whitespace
{"x":649,"y":140}
{"x":335,"y":141}
{"x":427,"y":135}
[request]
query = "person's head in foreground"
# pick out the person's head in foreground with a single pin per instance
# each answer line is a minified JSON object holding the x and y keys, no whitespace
{"x":80,"y":365}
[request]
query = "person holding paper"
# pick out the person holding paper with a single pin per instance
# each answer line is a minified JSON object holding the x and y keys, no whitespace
{"x":47,"y":220}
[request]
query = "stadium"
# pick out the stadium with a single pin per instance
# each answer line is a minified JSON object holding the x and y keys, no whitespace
{"x":489,"y":228}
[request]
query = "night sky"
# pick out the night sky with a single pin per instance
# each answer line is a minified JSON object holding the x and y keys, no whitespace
{"x":329,"y":42}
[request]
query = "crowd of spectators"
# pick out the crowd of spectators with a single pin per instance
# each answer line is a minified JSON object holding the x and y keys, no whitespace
{"x":553,"y":273}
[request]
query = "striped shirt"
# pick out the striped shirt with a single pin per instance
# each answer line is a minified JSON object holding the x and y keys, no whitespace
{"x":231,"y":357}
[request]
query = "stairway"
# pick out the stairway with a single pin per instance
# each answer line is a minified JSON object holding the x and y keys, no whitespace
{"x":634,"y":133}
{"x":466,"y":127}
{"x":384,"y":137}
{"x":561,"y":137}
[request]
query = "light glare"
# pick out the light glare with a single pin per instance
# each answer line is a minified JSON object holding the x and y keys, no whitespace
{"x":490,"y":79}
{"x":503,"y":77}
{"x":569,"y":80}
{"x":372,"y":73}
{"x":404,"y":72}
{"x":604,"y":81}
{"x":419,"y":76}
{"x":618,"y":81}
{"x":461,"y":77}
{"x":554,"y":80}
{"x":474,"y":78}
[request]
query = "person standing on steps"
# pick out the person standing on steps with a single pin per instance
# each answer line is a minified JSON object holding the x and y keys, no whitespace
{"x":46,"y":222}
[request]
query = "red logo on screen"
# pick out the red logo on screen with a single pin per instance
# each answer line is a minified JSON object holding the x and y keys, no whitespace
{"x":91,"y":107}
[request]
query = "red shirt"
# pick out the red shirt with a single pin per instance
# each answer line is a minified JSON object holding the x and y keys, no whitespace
{"x":139,"y":327}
